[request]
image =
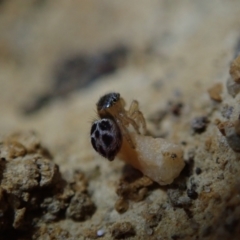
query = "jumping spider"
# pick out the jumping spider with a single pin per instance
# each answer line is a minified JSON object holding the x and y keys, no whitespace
{"x":107,"y":133}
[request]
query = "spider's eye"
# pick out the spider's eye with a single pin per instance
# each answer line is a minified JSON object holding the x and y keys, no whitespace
{"x":106,"y":138}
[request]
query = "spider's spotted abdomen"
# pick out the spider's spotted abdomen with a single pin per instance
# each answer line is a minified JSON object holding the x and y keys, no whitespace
{"x":106,"y":138}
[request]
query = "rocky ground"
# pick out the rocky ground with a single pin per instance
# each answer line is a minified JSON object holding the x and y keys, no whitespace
{"x":57,"y":58}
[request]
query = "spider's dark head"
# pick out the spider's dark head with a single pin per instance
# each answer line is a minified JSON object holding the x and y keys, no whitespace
{"x":107,"y":101}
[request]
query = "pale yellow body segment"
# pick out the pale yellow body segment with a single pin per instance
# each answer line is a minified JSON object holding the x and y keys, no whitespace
{"x":156,"y":158}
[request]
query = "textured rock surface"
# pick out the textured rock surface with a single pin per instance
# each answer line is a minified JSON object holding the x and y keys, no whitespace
{"x":58,"y":57}
{"x":32,"y":189}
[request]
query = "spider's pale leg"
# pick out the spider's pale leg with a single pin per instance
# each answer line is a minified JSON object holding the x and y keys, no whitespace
{"x":126,"y":134}
{"x":140,"y":118}
{"x":129,"y":120}
{"x":133,"y":108}
{"x":136,"y":114}
{"x":123,"y":103}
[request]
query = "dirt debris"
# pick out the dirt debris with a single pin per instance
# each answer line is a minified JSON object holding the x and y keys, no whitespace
{"x":49,"y":233}
{"x":133,"y":186}
{"x":32,"y":188}
{"x":153,"y":217}
{"x":235,"y":69}
{"x":215,"y":92}
{"x":121,"y":205}
{"x":199,"y":124}
{"x":231,"y":130}
{"x":233,"y":82}
{"x":184,"y":56}
{"x":178,"y":198}
{"x":122,"y":230}
{"x":80,"y":207}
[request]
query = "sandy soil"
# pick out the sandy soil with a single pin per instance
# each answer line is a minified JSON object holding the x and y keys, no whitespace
{"x":57,"y":58}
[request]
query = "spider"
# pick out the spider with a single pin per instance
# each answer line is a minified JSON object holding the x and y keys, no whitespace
{"x":107,"y":133}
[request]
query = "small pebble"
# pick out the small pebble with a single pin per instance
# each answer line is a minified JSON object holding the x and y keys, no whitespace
{"x":192,"y":194}
{"x":121,"y":205}
{"x":149,"y":231}
{"x":227,"y":111}
{"x":175,"y":108}
{"x":123,"y":230}
{"x":215,"y":92}
{"x":198,"y":170}
{"x":206,"y":189}
{"x":100,"y":232}
{"x":220,"y":176}
{"x":199,"y":124}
